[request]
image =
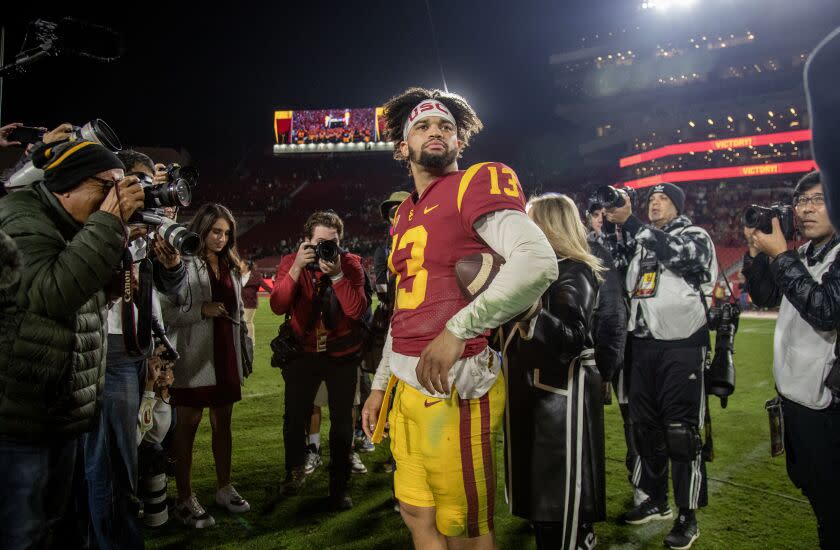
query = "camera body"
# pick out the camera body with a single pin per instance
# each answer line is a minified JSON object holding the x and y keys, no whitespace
{"x":175,"y":193}
{"x":611,"y":197}
{"x":329,"y":251}
{"x":720,"y":379}
{"x":724,"y":317}
{"x":761,"y":218}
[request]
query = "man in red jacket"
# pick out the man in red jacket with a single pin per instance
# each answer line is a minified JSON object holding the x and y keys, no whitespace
{"x":326,"y":301}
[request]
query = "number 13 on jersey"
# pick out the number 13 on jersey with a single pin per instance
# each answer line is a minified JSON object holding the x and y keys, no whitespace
{"x":416,"y":237}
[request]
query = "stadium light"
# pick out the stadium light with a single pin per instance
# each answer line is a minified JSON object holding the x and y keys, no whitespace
{"x":750,"y":116}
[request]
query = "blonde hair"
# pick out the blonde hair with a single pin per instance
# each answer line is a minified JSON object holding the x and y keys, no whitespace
{"x":559,"y":219}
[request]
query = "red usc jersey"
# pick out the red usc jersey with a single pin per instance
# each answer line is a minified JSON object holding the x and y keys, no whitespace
{"x":433,"y":232}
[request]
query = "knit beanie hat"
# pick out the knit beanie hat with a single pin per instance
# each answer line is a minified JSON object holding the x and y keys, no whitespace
{"x":671,"y":191}
{"x":68,"y":164}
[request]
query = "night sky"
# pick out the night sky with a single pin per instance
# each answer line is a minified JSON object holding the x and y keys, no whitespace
{"x":210,"y":81}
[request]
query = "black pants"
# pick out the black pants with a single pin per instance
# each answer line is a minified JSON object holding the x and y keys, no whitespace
{"x":303,"y":377}
{"x":812,"y":450}
{"x":667,"y":389}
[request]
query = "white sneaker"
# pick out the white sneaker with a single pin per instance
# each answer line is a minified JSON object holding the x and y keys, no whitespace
{"x":230,"y":499}
{"x":312,"y":460}
{"x":193,"y":514}
{"x":356,"y":464}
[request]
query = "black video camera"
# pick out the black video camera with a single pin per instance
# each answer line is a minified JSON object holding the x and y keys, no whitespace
{"x":610,"y":197}
{"x":329,"y":251}
{"x":720,"y":378}
{"x":760,"y":217}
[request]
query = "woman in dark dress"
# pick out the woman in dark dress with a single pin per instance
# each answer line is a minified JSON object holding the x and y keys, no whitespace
{"x":555,"y":424}
{"x":205,"y":323}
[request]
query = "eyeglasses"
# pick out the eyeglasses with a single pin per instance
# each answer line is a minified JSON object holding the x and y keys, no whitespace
{"x":106,"y":184}
{"x":802,"y":200}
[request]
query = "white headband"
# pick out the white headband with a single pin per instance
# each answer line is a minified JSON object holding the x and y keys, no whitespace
{"x":425,"y":109}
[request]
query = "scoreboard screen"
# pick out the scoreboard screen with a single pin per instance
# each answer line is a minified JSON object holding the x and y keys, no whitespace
{"x":326,"y":126}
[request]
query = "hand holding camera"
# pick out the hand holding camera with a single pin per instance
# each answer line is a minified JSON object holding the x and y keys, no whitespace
{"x":167,"y":255}
{"x":161,"y":174}
{"x":305,"y":256}
{"x":131,"y":198}
{"x":327,"y":258}
{"x":772,"y":243}
{"x":618,"y":204}
{"x":60,"y":133}
{"x":7,"y":134}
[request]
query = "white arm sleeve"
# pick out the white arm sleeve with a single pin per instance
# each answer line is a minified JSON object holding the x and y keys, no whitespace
{"x":383,"y":371}
{"x":530,"y":267}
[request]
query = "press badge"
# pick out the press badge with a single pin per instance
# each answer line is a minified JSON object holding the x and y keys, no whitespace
{"x":648,"y":278}
{"x":322,"y":338}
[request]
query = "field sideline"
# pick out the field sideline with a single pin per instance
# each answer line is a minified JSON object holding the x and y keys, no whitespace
{"x":752,"y":502}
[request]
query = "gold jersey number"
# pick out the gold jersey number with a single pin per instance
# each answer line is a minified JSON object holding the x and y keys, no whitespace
{"x":417,"y":237}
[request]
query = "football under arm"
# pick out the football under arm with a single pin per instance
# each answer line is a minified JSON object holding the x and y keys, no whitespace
{"x":530,"y":267}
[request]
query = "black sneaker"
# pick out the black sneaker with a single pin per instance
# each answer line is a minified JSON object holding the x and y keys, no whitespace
{"x":684,"y":533}
{"x":341,"y":501}
{"x":293,"y":483}
{"x":647,"y":511}
{"x":586,"y":539}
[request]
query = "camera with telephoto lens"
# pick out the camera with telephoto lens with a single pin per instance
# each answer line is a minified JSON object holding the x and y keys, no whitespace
{"x":720,"y":378}
{"x":329,"y":251}
{"x":96,"y":131}
{"x":761,"y":218}
{"x":175,"y":193}
{"x":610,"y":197}
{"x":182,"y":239}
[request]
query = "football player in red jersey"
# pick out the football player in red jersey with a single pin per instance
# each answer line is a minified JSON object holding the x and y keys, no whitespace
{"x":450,"y":394}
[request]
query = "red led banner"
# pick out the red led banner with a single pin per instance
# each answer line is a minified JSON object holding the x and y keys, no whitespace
{"x":716,"y":145}
{"x":725,"y":173}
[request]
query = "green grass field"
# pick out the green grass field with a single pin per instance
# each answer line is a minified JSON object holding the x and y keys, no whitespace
{"x":752,"y":502}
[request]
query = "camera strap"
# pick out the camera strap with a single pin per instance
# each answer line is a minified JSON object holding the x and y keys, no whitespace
{"x":137,"y":323}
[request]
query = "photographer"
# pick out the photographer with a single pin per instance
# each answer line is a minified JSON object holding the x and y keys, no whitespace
{"x":609,"y":330}
{"x":668,"y":337}
{"x":325,"y":297}
{"x":111,"y":447}
{"x":806,"y":282}
{"x":70,"y":231}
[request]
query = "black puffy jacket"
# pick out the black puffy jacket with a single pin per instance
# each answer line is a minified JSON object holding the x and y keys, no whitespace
{"x":53,"y":324}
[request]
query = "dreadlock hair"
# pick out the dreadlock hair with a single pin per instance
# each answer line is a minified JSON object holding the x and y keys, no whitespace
{"x":399,"y":107}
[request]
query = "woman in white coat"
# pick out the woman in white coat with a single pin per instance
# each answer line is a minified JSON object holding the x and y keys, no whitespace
{"x":204,"y":321}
